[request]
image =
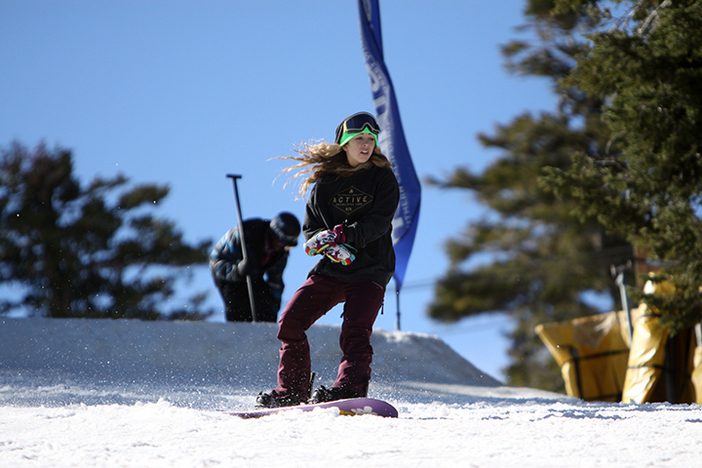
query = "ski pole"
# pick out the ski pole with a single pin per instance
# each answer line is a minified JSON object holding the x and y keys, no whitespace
{"x":249,"y":282}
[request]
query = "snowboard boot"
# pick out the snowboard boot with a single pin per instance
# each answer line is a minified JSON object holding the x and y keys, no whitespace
{"x":271,"y":400}
{"x":323,"y":394}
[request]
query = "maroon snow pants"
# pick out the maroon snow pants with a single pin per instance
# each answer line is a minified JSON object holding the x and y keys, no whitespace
{"x":316,"y":296}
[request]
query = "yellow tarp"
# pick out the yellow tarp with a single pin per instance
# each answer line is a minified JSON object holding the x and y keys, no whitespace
{"x":599,"y":361}
{"x":646,"y":360}
{"x":697,"y":375}
{"x":652,"y":354}
{"x":592,"y":352}
{"x":660,"y":367}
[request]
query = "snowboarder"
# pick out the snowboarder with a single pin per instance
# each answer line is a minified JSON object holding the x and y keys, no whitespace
{"x":348,"y":222}
{"x":267,"y":247}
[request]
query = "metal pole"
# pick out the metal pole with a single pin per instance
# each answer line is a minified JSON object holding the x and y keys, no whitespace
{"x":618,"y":273}
{"x":397,"y":302}
{"x":249,"y":282}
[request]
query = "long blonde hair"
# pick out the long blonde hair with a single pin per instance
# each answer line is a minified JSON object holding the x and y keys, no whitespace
{"x":317,"y":159}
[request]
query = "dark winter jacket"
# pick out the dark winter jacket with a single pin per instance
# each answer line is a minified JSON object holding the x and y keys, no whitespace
{"x":365,"y":203}
{"x":227,"y":254}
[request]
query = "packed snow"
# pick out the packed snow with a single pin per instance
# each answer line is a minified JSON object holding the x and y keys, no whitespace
{"x":82,"y":393}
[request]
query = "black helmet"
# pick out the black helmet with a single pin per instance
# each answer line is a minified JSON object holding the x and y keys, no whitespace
{"x":286,"y":228}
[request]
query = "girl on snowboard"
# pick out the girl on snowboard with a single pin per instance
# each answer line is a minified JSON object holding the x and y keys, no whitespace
{"x":348,"y":223}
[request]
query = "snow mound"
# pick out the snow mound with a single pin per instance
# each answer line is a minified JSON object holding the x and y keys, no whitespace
{"x":54,"y":362}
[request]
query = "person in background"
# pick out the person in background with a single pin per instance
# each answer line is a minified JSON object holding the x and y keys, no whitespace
{"x":267,"y":248}
{"x":348,"y":224}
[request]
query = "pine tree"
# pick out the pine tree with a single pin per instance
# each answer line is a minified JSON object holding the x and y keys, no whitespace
{"x":544,"y":257}
{"x":645,"y":183}
{"x":69,"y":250}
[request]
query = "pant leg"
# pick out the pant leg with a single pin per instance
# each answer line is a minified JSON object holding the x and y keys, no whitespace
{"x":315,"y":298}
{"x":363,"y":301}
{"x":236,"y":300}
{"x":265,"y":311}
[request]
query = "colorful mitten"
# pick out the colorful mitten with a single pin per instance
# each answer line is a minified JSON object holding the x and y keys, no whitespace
{"x":324,"y":239}
{"x":339,"y":254}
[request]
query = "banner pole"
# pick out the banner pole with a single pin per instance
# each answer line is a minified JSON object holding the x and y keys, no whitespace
{"x":397,"y":307}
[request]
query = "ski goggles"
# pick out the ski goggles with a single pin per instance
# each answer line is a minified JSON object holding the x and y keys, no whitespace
{"x":357,"y":123}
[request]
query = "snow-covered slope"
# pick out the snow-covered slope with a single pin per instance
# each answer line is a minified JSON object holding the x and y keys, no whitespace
{"x":220,"y":358}
{"x":115,"y":394}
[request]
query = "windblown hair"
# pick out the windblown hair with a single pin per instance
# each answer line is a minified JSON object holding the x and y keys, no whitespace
{"x":317,"y":159}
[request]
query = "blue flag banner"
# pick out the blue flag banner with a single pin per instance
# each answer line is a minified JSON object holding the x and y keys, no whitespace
{"x":392,"y":138}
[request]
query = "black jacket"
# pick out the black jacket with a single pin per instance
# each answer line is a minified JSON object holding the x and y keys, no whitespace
{"x":365,"y":203}
{"x":227,"y":254}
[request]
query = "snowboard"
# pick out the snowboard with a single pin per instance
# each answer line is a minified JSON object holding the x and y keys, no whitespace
{"x":349,"y":407}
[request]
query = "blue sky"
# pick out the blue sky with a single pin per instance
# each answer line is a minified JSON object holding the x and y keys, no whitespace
{"x":184,"y":92}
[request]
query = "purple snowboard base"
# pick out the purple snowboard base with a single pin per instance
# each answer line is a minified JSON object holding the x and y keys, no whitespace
{"x":350,"y":407}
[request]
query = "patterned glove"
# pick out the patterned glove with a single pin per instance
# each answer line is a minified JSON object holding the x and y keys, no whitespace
{"x":339,"y":254}
{"x":324,"y":239}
